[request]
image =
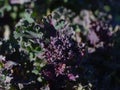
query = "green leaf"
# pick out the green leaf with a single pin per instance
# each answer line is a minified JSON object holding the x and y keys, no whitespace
{"x":35,"y":35}
{"x":1,"y":65}
{"x":107,"y":8}
{"x":39,"y":79}
{"x":77,"y":29}
{"x":8,"y":7}
{"x":28,"y":18}
{"x":15,"y":8}
{"x":36,"y":72}
{"x":65,"y":1}
{"x":31,"y":56}
{"x":1,"y":12}
{"x":13,"y":15}
{"x":17,"y":35}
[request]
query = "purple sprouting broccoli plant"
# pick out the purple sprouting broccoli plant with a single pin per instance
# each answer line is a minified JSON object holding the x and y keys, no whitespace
{"x":62,"y":55}
{"x":60,"y":52}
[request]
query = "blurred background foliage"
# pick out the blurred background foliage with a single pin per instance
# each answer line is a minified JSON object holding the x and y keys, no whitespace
{"x":15,"y":11}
